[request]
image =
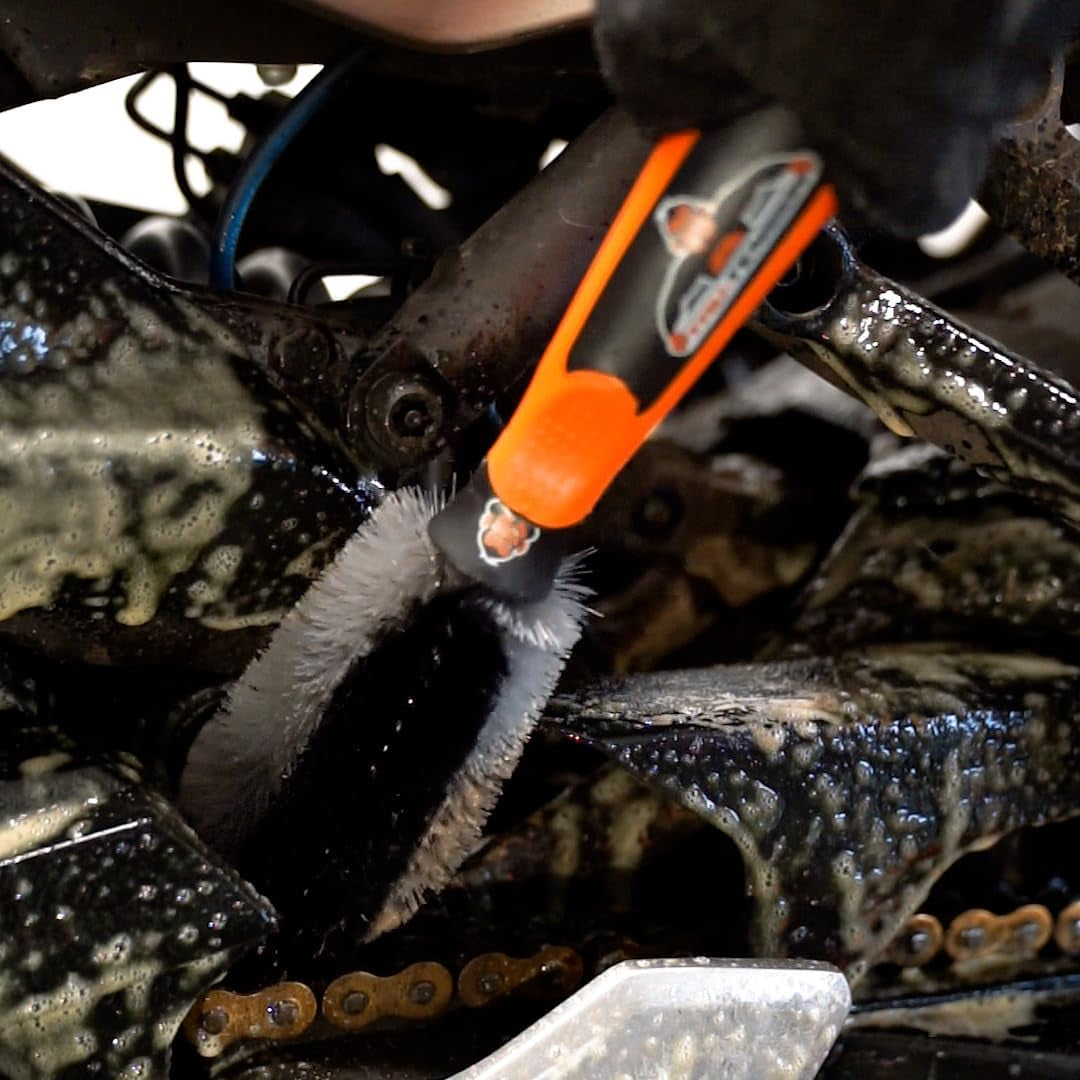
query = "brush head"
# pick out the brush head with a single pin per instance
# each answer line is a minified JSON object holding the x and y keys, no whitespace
{"x":241,"y":758}
{"x":487,"y":542}
{"x":356,"y":760}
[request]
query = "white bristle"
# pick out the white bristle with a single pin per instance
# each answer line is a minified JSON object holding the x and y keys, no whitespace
{"x":242,"y":756}
{"x":240,"y":760}
{"x":536,"y":642}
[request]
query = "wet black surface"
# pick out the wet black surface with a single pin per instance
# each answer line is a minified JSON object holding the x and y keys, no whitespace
{"x":113,"y":917}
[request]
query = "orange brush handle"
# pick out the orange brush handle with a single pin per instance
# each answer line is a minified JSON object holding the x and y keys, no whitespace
{"x":711,"y":225}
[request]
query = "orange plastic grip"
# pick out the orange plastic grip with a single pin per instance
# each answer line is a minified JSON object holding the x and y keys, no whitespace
{"x":574,"y":429}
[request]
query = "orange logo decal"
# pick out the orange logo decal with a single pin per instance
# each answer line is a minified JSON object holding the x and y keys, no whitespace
{"x":503,"y":535}
{"x":718,"y":244}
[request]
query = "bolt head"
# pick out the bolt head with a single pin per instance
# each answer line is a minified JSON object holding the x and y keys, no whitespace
{"x":404,"y":415}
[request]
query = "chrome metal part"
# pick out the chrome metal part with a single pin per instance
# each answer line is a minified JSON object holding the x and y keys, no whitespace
{"x":759,"y":1020}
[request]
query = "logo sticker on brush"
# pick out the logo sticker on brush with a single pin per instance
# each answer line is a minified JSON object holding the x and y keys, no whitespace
{"x":717,"y":244}
{"x":503,"y":535}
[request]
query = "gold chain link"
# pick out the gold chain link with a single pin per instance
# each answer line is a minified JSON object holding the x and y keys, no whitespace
{"x":421,"y":991}
{"x":978,"y":933}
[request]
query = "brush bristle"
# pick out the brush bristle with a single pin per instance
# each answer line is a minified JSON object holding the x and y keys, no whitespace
{"x":536,"y":641}
{"x":243,"y":757}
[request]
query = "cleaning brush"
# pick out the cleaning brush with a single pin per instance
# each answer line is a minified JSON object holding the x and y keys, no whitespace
{"x":355,"y":762}
{"x":261,"y":777}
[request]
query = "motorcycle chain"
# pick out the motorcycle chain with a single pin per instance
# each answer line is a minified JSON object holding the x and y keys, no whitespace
{"x":287,"y":1010}
{"x":977,"y":934}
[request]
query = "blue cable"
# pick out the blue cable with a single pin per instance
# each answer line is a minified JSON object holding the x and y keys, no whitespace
{"x":260,"y":161}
